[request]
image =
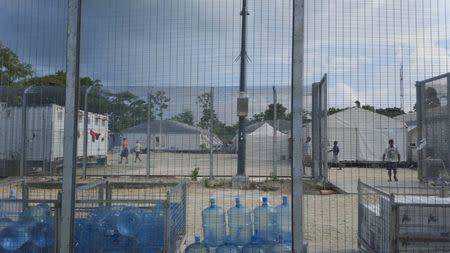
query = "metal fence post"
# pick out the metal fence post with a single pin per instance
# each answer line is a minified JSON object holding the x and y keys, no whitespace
{"x":23,"y":144}
{"x":297,"y":122}
{"x":211,"y":129}
{"x":275,"y":130}
{"x":167,"y":223}
{"x":85,"y":130}
{"x":147,"y":172}
{"x":393,"y":226}
{"x":70,"y":125}
{"x":25,"y":194}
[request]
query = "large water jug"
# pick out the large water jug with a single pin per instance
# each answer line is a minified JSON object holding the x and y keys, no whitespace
{"x":43,"y":234}
{"x":264,"y":221}
{"x":129,"y":221}
{"x":5,"y":222}
{"x":255,"y":246}
{"x":11,"y":208}
{"x":281,"y":247}
{"x":197,"y":247}
{"x":214,"y":225}
{"x":227,"y":248}
{"x":37,"y":213}
{"x":82,"y":235}
{"x":15,"y":236}
{"x":283,"y":220}
{"x":240,"y":224}
{"x":151,"y":231}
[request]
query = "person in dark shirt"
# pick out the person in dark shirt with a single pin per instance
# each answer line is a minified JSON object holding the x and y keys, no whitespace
{"x":336,"y":151}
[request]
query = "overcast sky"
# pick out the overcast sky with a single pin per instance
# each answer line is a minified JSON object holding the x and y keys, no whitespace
{"x":361,"y":44}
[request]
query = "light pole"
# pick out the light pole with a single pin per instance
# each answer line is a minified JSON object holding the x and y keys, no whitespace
{"x":242,"y":100}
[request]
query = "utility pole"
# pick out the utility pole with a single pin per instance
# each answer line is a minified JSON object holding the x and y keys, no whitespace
{"x":211,"y":127}
{"x":275,"y":130}
{"x":241,"y":179}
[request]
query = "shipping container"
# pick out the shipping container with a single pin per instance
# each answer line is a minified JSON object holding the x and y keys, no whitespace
{"x":44,"y":138}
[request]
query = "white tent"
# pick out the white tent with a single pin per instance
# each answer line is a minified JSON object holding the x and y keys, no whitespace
{"x":260,"y":144}
{"x":363,"y":135}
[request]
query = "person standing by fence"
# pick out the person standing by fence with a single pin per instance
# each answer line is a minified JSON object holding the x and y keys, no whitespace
{"x":137,"y":151}
{"x":393,"y":158}
{"x":336,"y":151}
{"x":124,"y":152}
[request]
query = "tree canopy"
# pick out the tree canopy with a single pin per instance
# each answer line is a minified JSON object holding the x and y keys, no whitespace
{"x":12,"y":70}
{"x":185,"y":117}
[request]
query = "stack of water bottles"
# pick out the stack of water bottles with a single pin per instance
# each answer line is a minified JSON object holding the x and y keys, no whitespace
{"x":25,"y":229}
{"x":262,"y":230}
{"x":121,"y":229}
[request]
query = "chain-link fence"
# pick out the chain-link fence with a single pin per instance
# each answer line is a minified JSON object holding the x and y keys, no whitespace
{"x":433,"y":124}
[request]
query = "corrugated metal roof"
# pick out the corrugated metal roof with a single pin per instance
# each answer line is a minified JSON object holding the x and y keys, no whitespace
{"x":168,"y":126}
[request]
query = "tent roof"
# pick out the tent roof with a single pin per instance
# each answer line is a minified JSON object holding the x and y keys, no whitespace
{"x":265,"y":130}
{"x":169,"y":126}
{"x":363,"y":119}
{"x":284,"y":126}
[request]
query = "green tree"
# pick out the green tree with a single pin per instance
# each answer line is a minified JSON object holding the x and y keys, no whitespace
{"x":333,"y":110}
{"x":208,"y":112}
{"x":390,"y":111}
{"x":12,"y":70}
{"x":281,"y":112}
{"x":369,"y":108}
{"x":431,"y":98}
{"x":184,"y":117}
{"x":160,"y":102}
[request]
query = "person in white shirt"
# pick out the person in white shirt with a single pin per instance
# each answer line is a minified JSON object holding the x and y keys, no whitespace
{"x":137,"y":151}
{"x":392,"y":157}
{"x":307,"y":153}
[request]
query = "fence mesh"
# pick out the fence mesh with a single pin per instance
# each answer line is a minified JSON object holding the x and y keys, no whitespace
{"x":160,"y":82}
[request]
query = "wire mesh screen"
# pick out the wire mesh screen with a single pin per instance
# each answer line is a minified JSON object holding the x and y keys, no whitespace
{"x":202,"y":91}
{"x":433,"y":127}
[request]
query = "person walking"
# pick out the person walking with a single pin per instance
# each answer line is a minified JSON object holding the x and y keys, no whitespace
{"x":124,"y":152}
{"x":137,"y":151}
{"x":391,"y":156}
{"x":336,"y":151}
{"x":307,"y":154}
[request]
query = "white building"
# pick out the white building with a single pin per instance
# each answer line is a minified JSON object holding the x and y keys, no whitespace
{"x":45,"y":135}
{"x":169,"y":135}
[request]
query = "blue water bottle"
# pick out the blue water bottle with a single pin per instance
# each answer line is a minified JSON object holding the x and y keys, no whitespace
{"x":15,"y":236}
{"x":283,"y":220}
{"x":197,"y":247}
{"x":255,"y":246}
{"x":264,"y":221}
{"x":240,"y":224}
{"x":227,"y":247}
{"x":214,"y":225}
{"x":43,"y":234}
{"x":129,"y":221}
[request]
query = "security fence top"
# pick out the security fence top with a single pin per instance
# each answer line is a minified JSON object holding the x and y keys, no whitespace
{"x":447,"y":75}
{"x":12,"y":181}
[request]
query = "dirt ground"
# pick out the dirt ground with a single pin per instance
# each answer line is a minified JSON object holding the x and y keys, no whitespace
{"x":330,"y":223}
